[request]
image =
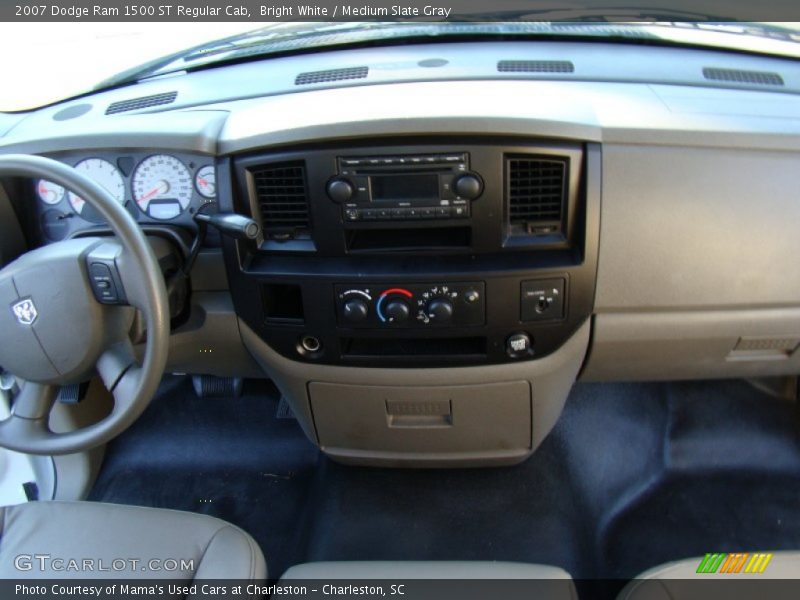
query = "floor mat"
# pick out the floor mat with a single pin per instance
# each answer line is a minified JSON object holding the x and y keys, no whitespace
{"x":729,"y":481}
{"x":230,"y":458}
{"x":633,"y":475}
{"x":525,"y":513}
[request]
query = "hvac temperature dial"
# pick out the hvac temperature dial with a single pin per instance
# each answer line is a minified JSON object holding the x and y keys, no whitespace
{"x":392,"y":305}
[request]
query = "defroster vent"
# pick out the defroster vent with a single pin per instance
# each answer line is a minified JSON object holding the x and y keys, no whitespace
{"x":282,"y":199}
{"x":535,"y":66}
{"x":141,"y":102}
{"x":743,"y":77}
{"x":331,"y":75}
{"x":537,"y":194}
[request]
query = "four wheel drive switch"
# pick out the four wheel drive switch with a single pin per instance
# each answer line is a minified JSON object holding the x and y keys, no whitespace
{"x":542,"y":299}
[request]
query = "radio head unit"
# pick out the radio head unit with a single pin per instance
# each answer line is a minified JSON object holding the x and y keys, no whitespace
{"x":404,"y":187}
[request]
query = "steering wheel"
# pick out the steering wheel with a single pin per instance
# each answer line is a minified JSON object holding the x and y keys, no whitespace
{"x":66,"y":311}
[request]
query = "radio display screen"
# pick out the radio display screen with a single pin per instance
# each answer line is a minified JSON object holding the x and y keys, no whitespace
{"x":405,"y":187}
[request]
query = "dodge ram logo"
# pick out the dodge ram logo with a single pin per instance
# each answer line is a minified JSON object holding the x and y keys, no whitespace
{"x":25,"y":311}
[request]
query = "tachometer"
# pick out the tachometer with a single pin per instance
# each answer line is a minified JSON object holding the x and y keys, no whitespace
{"x":206,"y":182}
{"x":49,"y":192}
{"x":108,"y":176}
{"x":162,"y":186}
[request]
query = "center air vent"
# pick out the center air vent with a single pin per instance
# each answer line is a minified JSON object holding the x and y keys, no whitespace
{"x":282,"y":200}
{"x":331,"y":75}
{"x":143,"y":102}
{"x":537,"y":193}
{"x":746,"y":77}
{"x":535,"y":66}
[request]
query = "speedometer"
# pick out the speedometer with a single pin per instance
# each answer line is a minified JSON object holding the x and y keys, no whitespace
{"x":162,"y":186}
{"x":108,"y":176}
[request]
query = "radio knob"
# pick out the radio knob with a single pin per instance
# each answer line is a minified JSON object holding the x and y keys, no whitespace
{"x":440,"y":310}
{"x":397,"y":311}
{"x":468,"y":186}
{"x":355,"y":310}
{"x":340,"y":190}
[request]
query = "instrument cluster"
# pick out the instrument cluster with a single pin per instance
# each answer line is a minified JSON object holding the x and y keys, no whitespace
{"x":155,"y":187}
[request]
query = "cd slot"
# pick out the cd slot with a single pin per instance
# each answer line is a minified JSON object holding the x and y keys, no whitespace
{"x":410,"y":169}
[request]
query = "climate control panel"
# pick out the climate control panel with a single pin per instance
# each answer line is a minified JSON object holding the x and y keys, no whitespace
{"x":417,"y":305}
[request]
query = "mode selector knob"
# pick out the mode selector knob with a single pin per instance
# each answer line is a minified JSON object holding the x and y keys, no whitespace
{"x":355,"y":310}
{"x":440,"y":310}
{"x":340,"y":190}
{"x":397,"y":311}
{"x":468,"y":186}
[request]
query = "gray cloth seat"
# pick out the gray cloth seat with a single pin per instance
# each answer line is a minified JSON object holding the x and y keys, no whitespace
{"x":201,"y":547}
{"x":680,"y":580}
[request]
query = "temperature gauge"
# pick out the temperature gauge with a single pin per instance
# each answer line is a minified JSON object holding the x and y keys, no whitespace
{"x":206,"y":182}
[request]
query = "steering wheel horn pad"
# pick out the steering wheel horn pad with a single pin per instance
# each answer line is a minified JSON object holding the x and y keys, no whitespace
{"x":55,"y":330}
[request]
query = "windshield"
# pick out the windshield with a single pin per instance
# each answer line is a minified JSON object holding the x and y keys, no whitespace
{"x":43,"y":63}
{"x":65,"y":61}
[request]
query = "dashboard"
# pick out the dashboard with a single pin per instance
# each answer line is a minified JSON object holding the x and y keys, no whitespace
{"x":445,"y":249}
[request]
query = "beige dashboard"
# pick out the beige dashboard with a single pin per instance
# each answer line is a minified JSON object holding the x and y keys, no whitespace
{"x":697,"y":272}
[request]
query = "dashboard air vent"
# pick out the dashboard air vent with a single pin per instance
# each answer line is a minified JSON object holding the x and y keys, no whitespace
{"x":746,"y":77}
{"x":282,"y":199}
{"x":537,"y":193}
{"x":535,"y":66}
{"x":139,"y":103}
{"x":331,"y":75}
